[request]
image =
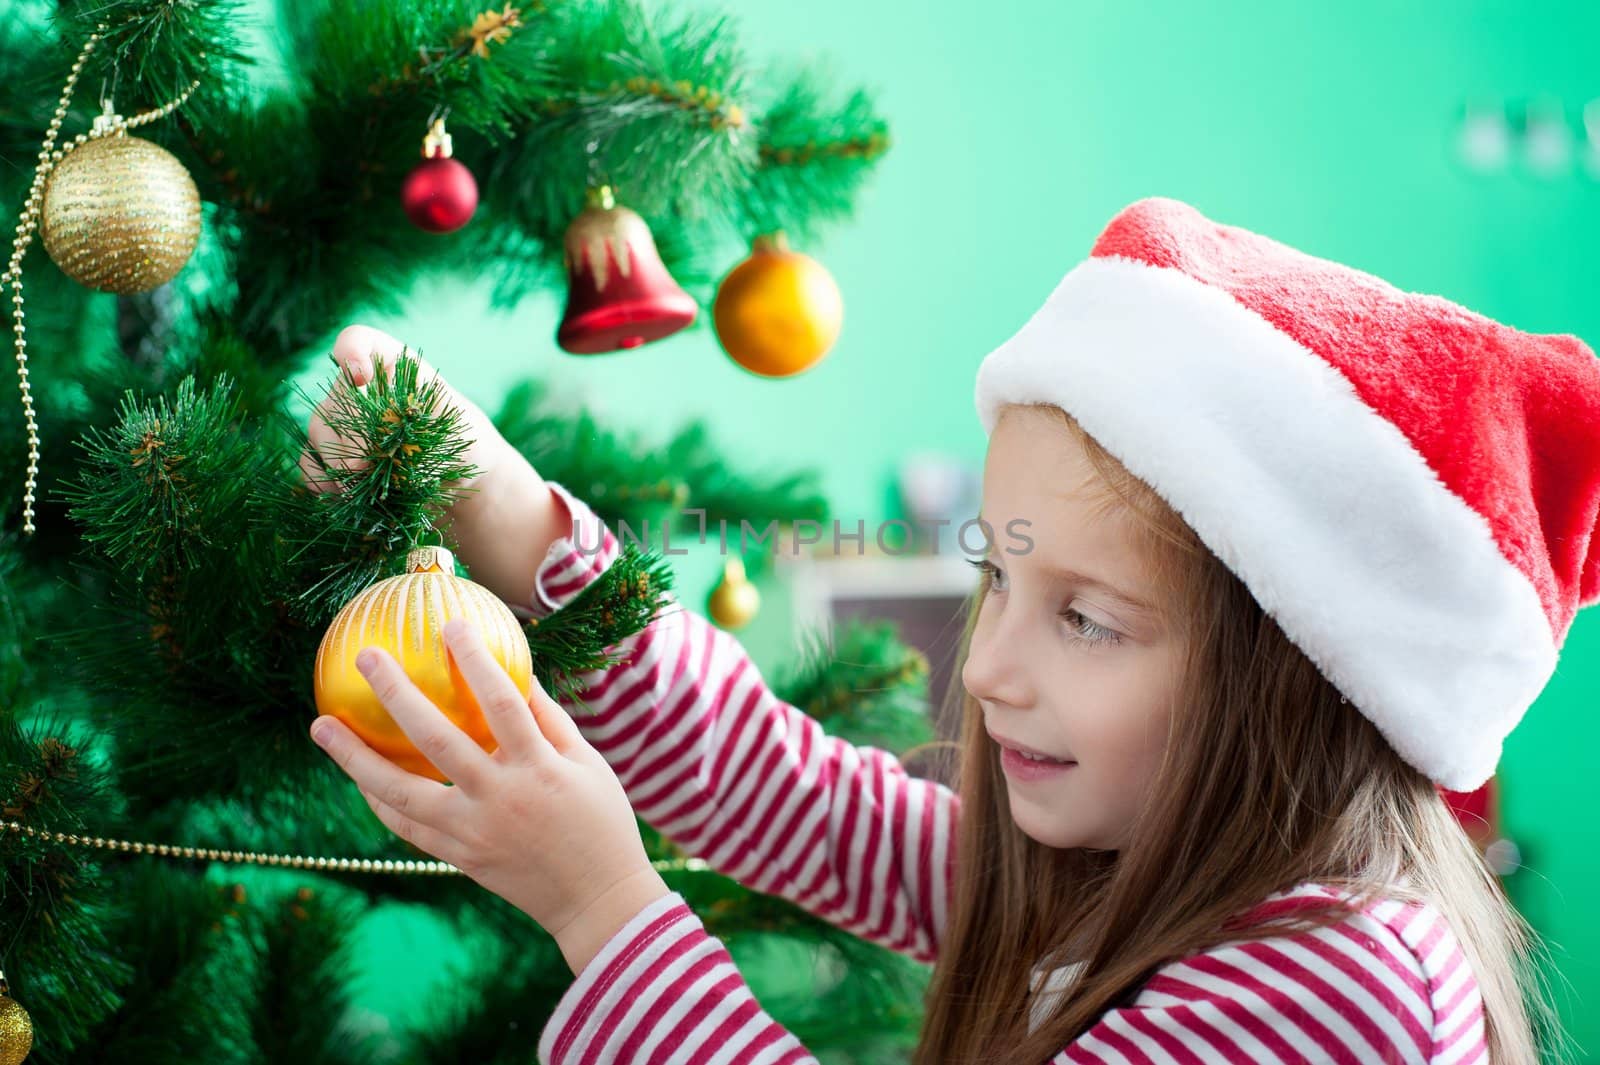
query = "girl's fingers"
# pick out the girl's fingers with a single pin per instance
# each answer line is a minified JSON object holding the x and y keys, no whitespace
{"x":502,"y":704}
{"x":455,"y":753}
{"x":555,"y":724}
{"x":355,"y":346}
{"x":336,"y":451}
{"x":314,"y":476}
{"x":425,"y":801}
{"x":425,"y":838}
{"x":362,"y":350}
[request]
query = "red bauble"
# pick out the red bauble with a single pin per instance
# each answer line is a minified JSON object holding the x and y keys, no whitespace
{"x":619,"y":293}
{"x":440,"y":194}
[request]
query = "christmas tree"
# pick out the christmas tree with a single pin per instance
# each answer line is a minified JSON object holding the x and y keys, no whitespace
{"x":181,"y":870}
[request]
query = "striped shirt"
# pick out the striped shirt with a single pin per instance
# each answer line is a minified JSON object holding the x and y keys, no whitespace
{"x":711,"y":758}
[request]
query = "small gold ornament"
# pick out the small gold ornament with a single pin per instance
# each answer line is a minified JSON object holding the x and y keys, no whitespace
{"x":735,"y":600}
{"x":405,"y":616}
{"x":16,"y":1028}
{"x":120,"y":214}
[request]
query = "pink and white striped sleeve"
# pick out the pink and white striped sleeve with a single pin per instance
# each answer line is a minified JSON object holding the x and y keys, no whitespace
{"x":1354,"y":993}
{"x":713,"y":760}
{"x":664,"y":991}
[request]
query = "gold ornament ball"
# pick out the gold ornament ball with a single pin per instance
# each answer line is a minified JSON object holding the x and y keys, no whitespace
{"x":16,"y":1032}
{"x":778,"y":312}
{"x":735,"y":600}
{"x":405,"y":616}
{"x":120,"y":215}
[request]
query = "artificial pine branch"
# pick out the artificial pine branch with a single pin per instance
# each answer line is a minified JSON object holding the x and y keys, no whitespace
{"x":188,"y":1001}
{"x":56,"y":927}
{"x":299,"y":1008}
{"x":583,"y":635}
{"x":627,"y":480}
{"x":814,"y":158}
{"x":490,"y":1012}
{"x":166,"y":486}
{"x":16,"y":669}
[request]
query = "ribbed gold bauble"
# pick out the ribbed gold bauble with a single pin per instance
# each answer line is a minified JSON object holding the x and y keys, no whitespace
{"x":405,"y":616}
{"x":120,"y":214}
{"x":16,"y":1032}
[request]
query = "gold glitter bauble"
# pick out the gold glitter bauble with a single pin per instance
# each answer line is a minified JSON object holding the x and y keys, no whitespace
{"x":16,"y":1032}
{"x":405,"y":616}
{"x":120,"y":214}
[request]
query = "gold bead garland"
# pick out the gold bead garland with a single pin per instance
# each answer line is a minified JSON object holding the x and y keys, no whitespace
{"x":292,"y":861}
{"x":49,"y":156}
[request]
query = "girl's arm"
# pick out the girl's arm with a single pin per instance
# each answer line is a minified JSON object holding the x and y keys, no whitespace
{"x":713,"y":760}
{"x":664,"y":990}
{"x":1390,"y":985}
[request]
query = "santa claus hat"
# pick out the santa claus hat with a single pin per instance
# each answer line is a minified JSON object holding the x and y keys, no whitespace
{"x":1410,"y":489}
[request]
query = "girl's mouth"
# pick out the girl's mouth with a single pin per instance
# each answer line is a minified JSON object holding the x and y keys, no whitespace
{"x":1031,"y":767}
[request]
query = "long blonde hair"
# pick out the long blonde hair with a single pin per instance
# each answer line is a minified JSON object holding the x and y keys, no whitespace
{"x":1269,"y":779}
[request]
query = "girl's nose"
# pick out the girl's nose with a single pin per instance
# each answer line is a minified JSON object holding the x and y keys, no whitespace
{"x":997,"y":669}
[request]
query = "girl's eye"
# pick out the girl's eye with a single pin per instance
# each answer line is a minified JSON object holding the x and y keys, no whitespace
{"x":1088,"y":630}
{"x":990,"y":572}
{"x":1083,"y":629}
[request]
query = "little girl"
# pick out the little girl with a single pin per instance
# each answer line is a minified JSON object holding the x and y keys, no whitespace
{"x":1276,"y":550}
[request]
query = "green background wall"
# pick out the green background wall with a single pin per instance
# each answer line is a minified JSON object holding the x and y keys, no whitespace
{"x":1019,"y":129}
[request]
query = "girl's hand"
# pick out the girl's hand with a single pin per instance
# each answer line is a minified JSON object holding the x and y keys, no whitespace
{"x":542,"y":822}
{"x":505,"y":518}
{"x":362,"y":352}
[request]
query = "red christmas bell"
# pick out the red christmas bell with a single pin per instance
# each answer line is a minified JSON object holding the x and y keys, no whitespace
{"x":619,"y":294}
{"x":441,"y":194}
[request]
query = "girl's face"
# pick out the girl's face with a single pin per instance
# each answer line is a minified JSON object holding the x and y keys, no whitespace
{"x":1060,"y":665}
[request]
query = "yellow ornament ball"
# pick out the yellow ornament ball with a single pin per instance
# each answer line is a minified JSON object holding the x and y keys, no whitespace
{"x":734,"y":601}
{"x":120,"y":214}
{"x":778,"y":312}
{"x":405,"y":615}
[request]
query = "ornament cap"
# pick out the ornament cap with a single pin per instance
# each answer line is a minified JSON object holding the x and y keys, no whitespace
{"x":430,"y":559}
{"x":734,"y":569}
{"x":777,"y":240}
{"x":599,"y":196}
{"x":436,"y":143}
{"x":107,"y":120}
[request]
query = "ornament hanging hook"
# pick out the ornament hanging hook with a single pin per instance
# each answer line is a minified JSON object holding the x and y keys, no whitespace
{"x":599,"y":174}
{"x":108,"y":119}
